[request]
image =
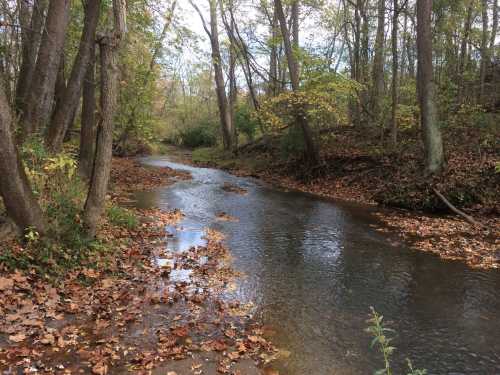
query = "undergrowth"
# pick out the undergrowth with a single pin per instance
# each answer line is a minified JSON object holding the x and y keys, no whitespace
{"x":61,"y":194}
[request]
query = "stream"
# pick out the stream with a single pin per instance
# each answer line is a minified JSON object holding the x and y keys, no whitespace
{"x":313,"y":267}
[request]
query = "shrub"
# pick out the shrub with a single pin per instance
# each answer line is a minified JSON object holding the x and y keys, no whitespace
{"x":246,"y":122}
{"x":201,"y":135}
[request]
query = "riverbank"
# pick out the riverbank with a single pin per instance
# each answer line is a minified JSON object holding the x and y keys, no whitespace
{"x":353,"y":175}
{"x":124,"y":310}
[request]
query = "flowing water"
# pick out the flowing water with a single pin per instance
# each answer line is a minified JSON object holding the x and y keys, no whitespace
{"x":313,"y":267}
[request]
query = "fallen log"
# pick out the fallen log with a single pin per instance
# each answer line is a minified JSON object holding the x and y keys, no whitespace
{"x":468,"y":218}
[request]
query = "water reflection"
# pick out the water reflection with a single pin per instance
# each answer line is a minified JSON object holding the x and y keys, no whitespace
{"x":314,"y":268}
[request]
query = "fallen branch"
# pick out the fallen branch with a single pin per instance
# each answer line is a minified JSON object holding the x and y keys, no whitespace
{"x":468,"y":218}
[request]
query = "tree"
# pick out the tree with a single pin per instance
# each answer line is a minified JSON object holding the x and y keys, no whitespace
{"x":109,"y":47}
{"x":65,"y":108}
{"x":378,"y":65}
{"x":39,"y":98}
{"x":311,"y":151}
{"x":433,"y":144}
{"x":30,"y":43}
{"x":15,"y":189}
{"x":395,"y":70}
{"x":88,"y":120}
{"x":485,"y":56}
{"x":224,"y":109}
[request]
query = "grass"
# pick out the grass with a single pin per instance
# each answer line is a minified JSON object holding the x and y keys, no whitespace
{"x":122,"y":217}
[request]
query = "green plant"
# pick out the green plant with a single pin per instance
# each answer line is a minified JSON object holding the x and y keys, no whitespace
{"x":245,"y":121}
{"x":122,"y":217}
{"x":381,"y":339}
{"x":379,"y":333}
{"x":201,"y":135}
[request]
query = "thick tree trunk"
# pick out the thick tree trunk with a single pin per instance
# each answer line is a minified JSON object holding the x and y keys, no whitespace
{"x":109,"y":46}
{"x":66,"y":107}
{"x":378,"y":66}
{"x":15,"y":189}
{"x":40,"y":97}
{"x":88,"y":125}
{"x":395,"y":70}
{"x":434,"y":156}
{"x":311,"y":151}
{"x":31,"y":42}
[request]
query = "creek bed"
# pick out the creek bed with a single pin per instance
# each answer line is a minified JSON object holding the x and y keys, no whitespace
{"x":313,"y":267}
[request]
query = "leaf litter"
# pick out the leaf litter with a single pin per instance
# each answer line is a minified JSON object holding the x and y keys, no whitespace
{"x":128,"y":314}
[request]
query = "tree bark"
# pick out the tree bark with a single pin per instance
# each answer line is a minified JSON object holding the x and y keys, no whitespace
{"x":463,"y":52}
{"x":109,"y":47}
{"x":273,"y":86}
{"x":311,"y":151}
{"x":88,"y":124}
{"x":31,"y":43}
{"x":485,"y":58}
{"x":15,"y":189}
{"x":433,"y":144}
{"x":378,"y":65}
{"x":494,"y":27}
{"x":395,"y":70}
{"x":222,"y":102}
{"x":66,"y":107}
{"x":40,"y":97}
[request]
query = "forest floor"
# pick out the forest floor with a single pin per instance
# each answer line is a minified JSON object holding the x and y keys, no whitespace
{"x":124,"y":311}
{"x":355,"y":167}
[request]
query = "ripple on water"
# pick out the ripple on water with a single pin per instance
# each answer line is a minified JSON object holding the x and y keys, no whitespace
{"x":314,"y":267}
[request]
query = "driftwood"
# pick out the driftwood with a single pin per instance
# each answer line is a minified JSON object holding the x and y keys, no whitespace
{"x":468,"y":218}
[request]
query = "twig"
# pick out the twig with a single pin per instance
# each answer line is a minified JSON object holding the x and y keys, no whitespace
{"x":468,"y":218}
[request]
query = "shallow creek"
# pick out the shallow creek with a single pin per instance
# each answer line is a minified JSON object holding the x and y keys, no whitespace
{"x":313,"y":267}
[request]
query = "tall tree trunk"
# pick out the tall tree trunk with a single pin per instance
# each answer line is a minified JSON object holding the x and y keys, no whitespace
{"x":233,"y":94}
{"x":378,"y":65}
{"x":295,"y":24}
{"x":109,"y":49}
{"x":241,"y":50}
{"x":273,"y":58}
{"x":31,"y":43}
{"x":66,"y":107}
{"x":494,"y":27}
{"x":88,"y":123}
{"x":311,"y":151}
{"x":222,"y":102}
{"x":15,"y":189}
{"x":433,"y":144}
{"x":39,"y":99}
{"x":395,"y":69}
{"x":485,"y":58}
{"x":463,"y":52}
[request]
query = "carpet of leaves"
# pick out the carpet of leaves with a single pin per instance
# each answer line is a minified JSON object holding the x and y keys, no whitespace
{"x":129,"y":314}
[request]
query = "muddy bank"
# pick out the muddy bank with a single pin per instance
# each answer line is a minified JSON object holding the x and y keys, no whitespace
{"x":137,"y":306}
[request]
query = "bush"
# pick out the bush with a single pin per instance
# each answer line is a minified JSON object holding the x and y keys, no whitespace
{"x":245,"y":121}
{"x":201,"y":135}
